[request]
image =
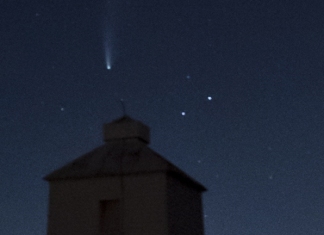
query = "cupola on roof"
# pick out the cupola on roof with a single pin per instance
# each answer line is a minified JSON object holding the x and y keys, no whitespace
{"x":126,"y":128}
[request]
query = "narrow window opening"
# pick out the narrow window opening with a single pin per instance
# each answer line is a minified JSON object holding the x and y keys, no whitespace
{"x":110,"y":220}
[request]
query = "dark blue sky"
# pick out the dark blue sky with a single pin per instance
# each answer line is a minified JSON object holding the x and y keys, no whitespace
{"x":256,"y":145}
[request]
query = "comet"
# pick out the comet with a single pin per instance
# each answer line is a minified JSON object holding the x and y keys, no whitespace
{"x":108,"y":54}
{"x":108,"y":34}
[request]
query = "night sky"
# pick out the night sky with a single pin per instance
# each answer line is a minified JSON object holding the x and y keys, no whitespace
{"x":232,"y":91}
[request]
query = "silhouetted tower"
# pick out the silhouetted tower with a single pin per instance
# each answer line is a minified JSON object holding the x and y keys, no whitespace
{"x":124,"y":188}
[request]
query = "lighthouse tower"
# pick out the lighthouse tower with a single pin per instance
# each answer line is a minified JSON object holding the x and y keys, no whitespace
{"x":124,"y":188}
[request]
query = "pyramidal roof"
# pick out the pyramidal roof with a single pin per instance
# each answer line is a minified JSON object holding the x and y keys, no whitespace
{"x":125,"y":152}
